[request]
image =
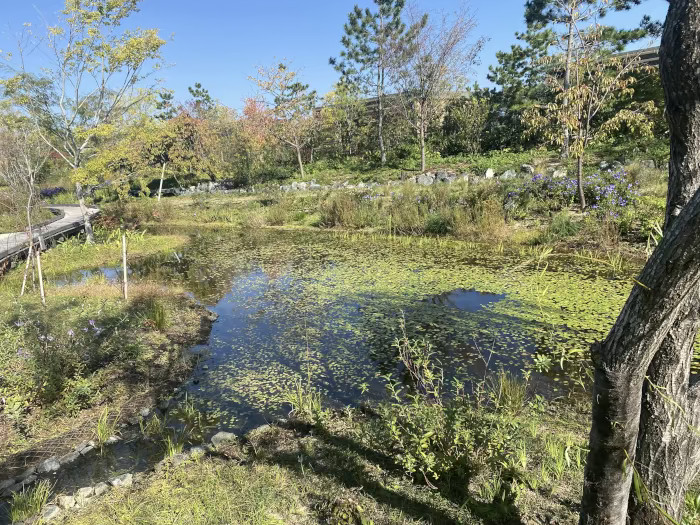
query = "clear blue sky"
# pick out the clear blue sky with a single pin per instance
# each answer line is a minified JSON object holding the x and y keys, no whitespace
{"x":221,"y":42}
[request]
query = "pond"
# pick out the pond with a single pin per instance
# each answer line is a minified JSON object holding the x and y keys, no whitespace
{"x":328,"y":308}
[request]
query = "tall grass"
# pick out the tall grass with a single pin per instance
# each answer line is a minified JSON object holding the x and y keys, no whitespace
{"x":30,"y":501}
{"x":106,"y":428}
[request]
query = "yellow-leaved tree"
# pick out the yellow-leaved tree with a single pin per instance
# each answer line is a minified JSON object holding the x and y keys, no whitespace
{"x":93,"y":75}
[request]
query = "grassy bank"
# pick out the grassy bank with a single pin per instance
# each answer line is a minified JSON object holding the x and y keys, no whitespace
{"x":88,"y":348}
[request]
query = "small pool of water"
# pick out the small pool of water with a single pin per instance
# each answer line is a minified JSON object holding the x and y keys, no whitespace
{"x":293,"y":304}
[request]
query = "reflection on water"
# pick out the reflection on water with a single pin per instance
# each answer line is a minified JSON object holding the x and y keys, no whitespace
{"x":467,"y":300}
{"x":293,"y":304}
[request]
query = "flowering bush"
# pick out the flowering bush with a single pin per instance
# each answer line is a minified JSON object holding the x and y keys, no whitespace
{"x":47,"y":193}
{"x":607,"y":193}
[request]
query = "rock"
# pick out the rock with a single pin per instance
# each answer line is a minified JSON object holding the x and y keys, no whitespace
{"x":87,"y":450}
{"x":125,"y":480}
{"x":83,"y":494}
{"x":604,"y":165}
{"x":50,"y":512}
{"x":527,"y":169}
{"x":222,"y":437}
{"x":393,"y":183}
{"x":69,"y":458}
{"x":4,"y":485}
{"x":111,"y":440}
{"x":314,"y":186}
{"x":489,"y":174}
{"x":100,"y":489}
{"x":508,"y":174}
{"x":362,"y":185}
{"x":26,"y":474}
{"x":443,"y":176}
{"x":49,"y":465}
{"x":285,"y":187}
{"x":559,"y":174}
{"x":425,"y":179}
{"x":302,"y":186}
{"x":66,"y":502}
{"x":616,"y":165}
{"x":145,"y":412}
{"x":648,"y":164}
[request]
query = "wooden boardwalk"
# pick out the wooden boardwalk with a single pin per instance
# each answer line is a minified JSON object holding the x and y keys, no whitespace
{"x":69,"y":221}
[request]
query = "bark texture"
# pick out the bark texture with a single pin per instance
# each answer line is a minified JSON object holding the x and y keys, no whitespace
{"x":667,"y":447}
{"x":642,"y":403}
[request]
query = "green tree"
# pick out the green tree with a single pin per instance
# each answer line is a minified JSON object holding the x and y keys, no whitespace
{"x":584,"y":109}
{"x":434,"y":61}
{"x":91,"y":82}
{"x":520,"y":75}
{"x":371,"y":38}
{"x":165,"y":106}
{"x":202,"y":103}
{"x":344,"y":118}
{"x":463,"y":125}
{"x":289,"y":107}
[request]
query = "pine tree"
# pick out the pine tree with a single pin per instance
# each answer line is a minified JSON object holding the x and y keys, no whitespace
{"x":369,"y":40}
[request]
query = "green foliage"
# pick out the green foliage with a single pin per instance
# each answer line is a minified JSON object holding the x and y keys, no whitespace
{"x":508,"y":392}
{"x":443,"y":438}
{"x":29,"y":502}
{"x":463,"y":126}
{"x":305,"y":401}
{"x":79,"y":393}
{"x":106,"y":427}
{"x":156,"y":314}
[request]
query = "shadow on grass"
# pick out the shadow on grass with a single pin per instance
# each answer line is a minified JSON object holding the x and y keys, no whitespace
{"x":351,"y":465}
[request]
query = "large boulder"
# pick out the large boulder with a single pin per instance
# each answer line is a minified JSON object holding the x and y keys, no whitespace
{"x":559,"y":174}
{"x":528,"y":169}
{"x":647,"y":164}
{"x":489,"y":174}
{"x":508,"y":174}
{"x":425,"y":179}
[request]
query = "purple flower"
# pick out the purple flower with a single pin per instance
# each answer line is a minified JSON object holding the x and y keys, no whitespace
{"x":71,"y":333}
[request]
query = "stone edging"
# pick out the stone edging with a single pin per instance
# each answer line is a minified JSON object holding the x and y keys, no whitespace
{"x":85,"y":495}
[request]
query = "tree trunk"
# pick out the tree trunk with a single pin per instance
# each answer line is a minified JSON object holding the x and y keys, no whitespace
{"x":621,"y":362}
{"x":567,"y":83}
{"x":653,"y":422}
{"x":86,"y":217}
{"x":382,"y":148}
{"x":579,"y":182}
{"x":668,"y":443}
{"x":421,"y":136}
{"x":160,"y":186}
{"x":301,"y":162}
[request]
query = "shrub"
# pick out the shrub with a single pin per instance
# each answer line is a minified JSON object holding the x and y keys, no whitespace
{"x":438,"y":224}
{"x":442,"y":438}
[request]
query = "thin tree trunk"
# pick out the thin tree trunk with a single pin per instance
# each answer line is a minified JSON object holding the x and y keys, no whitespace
{"x":421,"y":134}
{"x":669,"y":441}
{"x":86,"y":216}
{"x":643,"y":408}
{"x":124,"y":268}
{"x":160,"y":186}
{"x":380,"y":116}
{"x":30,"y":254}
{"x":301,"y":163}
{"x":41,"y":275}
{"x":579,"y":182}
{"x":567,"y":83}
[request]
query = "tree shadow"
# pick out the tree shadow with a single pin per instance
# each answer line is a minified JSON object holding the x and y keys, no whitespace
{"x":345,"y":461}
